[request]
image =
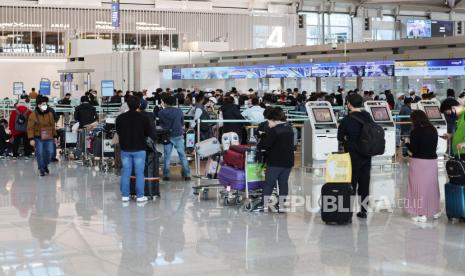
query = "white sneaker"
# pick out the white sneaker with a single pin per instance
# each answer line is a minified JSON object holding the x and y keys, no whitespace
{"x":142,"y":199}
{"x":125,"y":199}
{"x":419,"y":219}
{"x":437,"y":216}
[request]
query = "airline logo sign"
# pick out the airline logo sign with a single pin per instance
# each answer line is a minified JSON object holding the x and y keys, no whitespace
{"x":440,"y":67}
{"x":115,"y":13}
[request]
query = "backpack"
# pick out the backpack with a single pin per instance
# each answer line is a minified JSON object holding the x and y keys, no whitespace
{"x":21,"y":122}
{"x":371,"y":141}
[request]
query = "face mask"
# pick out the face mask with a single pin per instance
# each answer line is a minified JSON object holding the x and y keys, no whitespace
{"x":43,"y":107}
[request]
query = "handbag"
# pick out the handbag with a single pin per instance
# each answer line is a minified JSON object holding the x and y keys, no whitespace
{"x":46,"y":133}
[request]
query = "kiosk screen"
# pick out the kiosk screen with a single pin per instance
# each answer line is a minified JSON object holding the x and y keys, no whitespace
{"x":380,"y":114}
{"x":322,"y":115}
{"x":433,"y":113}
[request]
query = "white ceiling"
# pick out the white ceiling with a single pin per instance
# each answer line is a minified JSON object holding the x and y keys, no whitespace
{"x":447,"y":6}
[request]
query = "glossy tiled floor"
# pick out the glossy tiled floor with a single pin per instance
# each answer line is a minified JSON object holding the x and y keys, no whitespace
{"x":72,"y":223}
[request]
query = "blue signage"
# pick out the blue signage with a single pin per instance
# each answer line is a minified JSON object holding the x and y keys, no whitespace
{"x":107,"y":88}
{"x":45,"y":86}
{"x":115,"y":13}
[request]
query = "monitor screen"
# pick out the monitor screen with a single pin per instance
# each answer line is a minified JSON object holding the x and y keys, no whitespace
{"x":442,"y":28}
{"x":380,"y":114}
{"x":418,"y":28}
{"x":322,"y":115}
{"x":107,"y":88}
{"x":433,"y":113}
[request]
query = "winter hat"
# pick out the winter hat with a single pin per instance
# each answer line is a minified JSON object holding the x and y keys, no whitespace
{"x":40,"y":100}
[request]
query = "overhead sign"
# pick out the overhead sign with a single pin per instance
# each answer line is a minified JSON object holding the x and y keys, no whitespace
{"x":441,"y":67}
{"x":18,"y":88}
{"x":45,"y":87}
{"x":115,"y":13}
{"x":107,"y":88}
{"x":304,"y":70}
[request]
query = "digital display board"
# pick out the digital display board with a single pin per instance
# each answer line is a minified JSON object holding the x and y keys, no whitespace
{"x":440,"y":67}
{"x":304,"y":70}
{"x":442,"y":28}
{"x":418,"y":28}
{"x":45,"y":87}
{"x":107,"y":88}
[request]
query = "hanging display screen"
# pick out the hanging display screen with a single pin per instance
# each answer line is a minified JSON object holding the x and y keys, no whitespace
{"x":440,"y":67}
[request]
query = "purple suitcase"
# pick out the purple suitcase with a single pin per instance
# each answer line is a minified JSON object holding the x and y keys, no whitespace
{"x":235,"y":178}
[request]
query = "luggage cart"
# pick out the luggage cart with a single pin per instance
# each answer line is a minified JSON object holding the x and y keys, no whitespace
{"x":248,"y":197}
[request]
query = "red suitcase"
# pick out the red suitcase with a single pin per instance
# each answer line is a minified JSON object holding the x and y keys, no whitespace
{"x":235,"y":156}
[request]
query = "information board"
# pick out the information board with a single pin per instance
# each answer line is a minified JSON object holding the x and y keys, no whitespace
{"x":18,"y":88}
{"x":45,"y":87}
{"x":107,"y":88}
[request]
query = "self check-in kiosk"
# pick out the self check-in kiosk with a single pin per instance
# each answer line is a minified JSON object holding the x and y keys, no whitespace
{"x":431,"y":108}
{"x":319,"y":134}
{"x":381,"y":114}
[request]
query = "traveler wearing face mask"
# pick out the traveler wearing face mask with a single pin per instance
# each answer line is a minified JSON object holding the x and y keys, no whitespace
{"x":41,"y":132}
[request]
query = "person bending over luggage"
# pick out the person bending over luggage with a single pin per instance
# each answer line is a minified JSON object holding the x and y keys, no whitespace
{"x":349,"y":134}
{"x":423,"y":187}
{"x":133,"y":127}
{"x":452,"y":107}
{"x":85,"y":113}
{"x":279,"y":146}
{"x":172,"y":119}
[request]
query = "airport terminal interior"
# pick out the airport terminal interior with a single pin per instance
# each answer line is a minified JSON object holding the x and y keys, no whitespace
{"x":246,"y":137}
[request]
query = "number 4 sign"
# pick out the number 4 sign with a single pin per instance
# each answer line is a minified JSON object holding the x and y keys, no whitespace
{"x":276,"y":38}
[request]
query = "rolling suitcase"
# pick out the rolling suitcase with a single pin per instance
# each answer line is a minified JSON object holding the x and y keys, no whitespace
{"x":208,"y":147}
{"x":229,"y":139}
{"x":456,"y":171}
{"x":336,"y":203}
{"x":151,"y":176}
{"x":455,"y":201}
{"x":235,"y":156}
{"x":234,"y":178}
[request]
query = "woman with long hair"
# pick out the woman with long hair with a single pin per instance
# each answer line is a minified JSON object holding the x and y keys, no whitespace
{"x":423,"y":188}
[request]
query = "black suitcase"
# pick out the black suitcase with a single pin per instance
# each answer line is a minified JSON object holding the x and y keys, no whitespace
{"x":151,"y":174}
{"x":332,"y":210}
{"x":456,"y":171}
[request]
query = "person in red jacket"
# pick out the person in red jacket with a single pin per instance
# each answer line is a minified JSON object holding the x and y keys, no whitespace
{"x":18,"y":128}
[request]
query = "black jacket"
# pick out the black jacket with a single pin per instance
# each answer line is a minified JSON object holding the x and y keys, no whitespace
{"x":3,"y":137}
{"x":232,"y":112}
{"x":115,"y":99}
{"x":279,"y":146}
{"x":349,"y":132}
{"x":423,"y":142}
{"x":133,"y":128}
{"x":85,"y":114}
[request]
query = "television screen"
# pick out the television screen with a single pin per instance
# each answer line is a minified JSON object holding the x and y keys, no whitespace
{"x":322,"y":115}
{"x":379,"y":69}
{"x":442,"y":28}
{"x":433,"y":113}
{"x":380,"y":114}
{"x":418,"y":28}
